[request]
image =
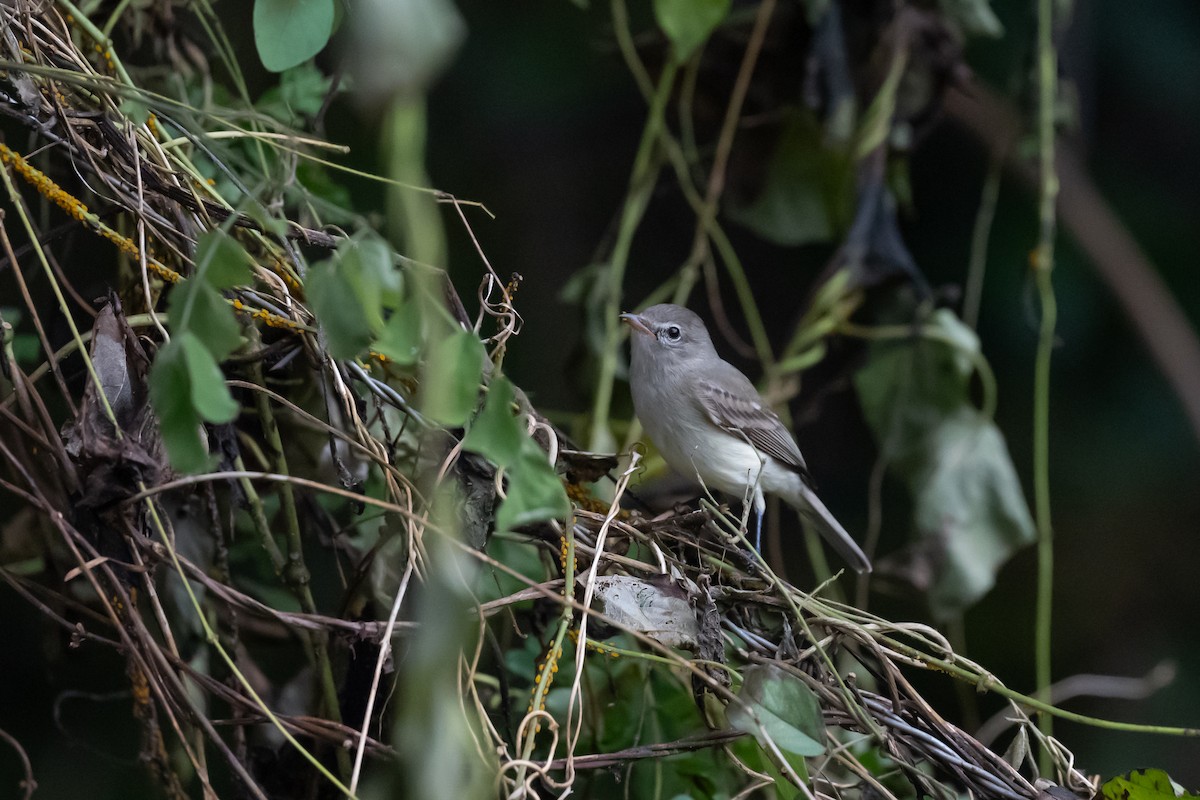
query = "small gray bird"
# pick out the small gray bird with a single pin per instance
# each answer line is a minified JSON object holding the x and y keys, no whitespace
{"x":709,"y":421}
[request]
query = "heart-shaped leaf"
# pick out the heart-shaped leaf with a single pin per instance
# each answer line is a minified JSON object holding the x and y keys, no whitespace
{"x":781,"y":709}
{"x":288,"y":32}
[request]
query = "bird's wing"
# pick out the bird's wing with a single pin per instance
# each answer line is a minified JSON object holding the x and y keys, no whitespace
{"x":735,"y":406}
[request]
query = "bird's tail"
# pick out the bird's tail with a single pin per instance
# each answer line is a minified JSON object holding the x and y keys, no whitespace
{"x":813,"y":510}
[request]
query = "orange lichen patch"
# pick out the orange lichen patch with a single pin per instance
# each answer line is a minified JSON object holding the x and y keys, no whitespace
{"x":266,"y":317}
{"x":513,"y":284}
{"x":582,"y":498}
{"x":166,"y":273}
{"x":595,"y":647}
{"x":123,"y":243}
{"x":564,"y":550}
{"x":46,"y":187}
{"x":140,"y":687}
{"x":106,"y":54}
{"x":277,"y":266}
{"x":551,"y":662}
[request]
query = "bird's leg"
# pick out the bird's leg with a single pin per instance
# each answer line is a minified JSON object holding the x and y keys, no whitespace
{"x":758,"y":518}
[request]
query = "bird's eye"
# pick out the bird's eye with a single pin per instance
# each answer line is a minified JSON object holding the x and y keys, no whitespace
{"x":673,"y":333}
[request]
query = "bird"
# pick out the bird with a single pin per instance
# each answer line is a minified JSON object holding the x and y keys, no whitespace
{"x":711,"y":424}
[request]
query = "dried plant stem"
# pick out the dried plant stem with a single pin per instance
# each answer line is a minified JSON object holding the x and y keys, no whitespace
{"x":385,"y":649}
{"x":214,"y":641}
{"x":296,"y":574}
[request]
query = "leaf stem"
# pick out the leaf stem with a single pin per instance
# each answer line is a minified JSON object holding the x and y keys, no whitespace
{"x":641,"y":183}
{"x":1043,"y":266}
{"x":980,"y":233}
{"x":987,"y":378}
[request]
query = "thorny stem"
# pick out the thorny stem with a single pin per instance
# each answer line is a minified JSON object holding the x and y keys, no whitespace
{"x":1043,"y":266}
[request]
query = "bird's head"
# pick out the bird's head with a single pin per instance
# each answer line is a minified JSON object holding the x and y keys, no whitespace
{"x":668,"y":329}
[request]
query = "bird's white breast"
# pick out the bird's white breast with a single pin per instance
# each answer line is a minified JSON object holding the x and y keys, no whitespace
{"x":699,"y":450}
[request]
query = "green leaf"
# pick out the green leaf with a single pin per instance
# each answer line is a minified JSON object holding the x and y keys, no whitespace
{"x":288,"y":32}
{"x":877,"y":121}
{"x":969,"y":511}
{"x":975,"y":17}
{"x":221,"y":262}
{"x":402,"y":337}
{"x":315,"y":187}
{"x":806,"y":194}
{"x":209,"y":395}
{"x":1145,"y":784}
{"x":196,"y":307}
{"x":135,"y":110}
{"x":399,"y":46}
{"x":338,"y":308}
{"x":270,"y":222}
{"x":450,"y":381}
{"x":26,"y":347}
{"x":350,"y":292}
{"x":787,"y":711}
{"x":969,"y":500}
{"x":496,"y":434}
{"x":301,"y":93}
{"x":367,"y":265}
{"x":535,"y":492}
{"x":689,"y":23}
{"x":178,"y":423}
{"x":303,"y":89}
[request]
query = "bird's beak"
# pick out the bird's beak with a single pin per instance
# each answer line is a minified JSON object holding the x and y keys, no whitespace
{"x":637,"y":323}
